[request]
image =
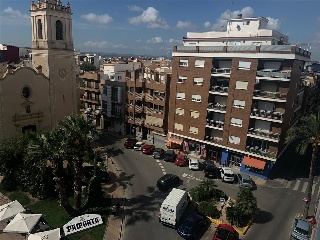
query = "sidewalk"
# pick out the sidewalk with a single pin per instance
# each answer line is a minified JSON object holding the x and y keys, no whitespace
{"x":115,"y":226}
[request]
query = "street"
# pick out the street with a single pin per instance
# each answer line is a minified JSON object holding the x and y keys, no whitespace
{"x":277,"y":205}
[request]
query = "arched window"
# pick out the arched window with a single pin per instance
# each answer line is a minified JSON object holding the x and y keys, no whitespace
{"x":40,"y":29}
{"x":59,"y":30}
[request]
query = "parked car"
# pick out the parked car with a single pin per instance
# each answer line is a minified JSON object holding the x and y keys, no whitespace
{"x":181,"y":160}
{"x":130,"y":142}
{"x":244,"y":181}
{"x":224,"y":232}
{"x":158,"y":153}
{"x":168,"y":181}
{"x":138,"y":146}
{"x":210,"y":170}
{"x":301,"y":229}
{"x":189,"y":228}
{"x":194,"y":164}
{"x":148,"y":149}
{"x":88,"y":172}
{"x":227,"y":174}
{"x":170,"y":156}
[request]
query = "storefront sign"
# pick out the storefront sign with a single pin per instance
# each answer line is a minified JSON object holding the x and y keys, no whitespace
{"x":81,"y":223}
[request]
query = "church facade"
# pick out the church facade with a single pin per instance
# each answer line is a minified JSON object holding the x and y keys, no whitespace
{"x":39,"y":94}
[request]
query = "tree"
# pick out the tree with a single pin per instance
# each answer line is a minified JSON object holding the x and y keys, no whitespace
{"x":208,"y":185}
{"x":79,"y":133}
{"x":234,"y":215}
{"x":307,"y":133}
{"x":246,"y":202}
{"x":86,"y":66}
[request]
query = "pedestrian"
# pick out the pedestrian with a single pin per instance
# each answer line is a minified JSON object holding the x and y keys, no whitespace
{"x":118,"y":207}
{"x":114,"y":210}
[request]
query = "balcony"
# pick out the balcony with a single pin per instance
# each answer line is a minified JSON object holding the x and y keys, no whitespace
{"x":271,"y":96}
{"x":256,"y":150}
{"x":148,"y":97}
{"x":216,"y":140}
{"x":215,"y":124}
{"x":221,"y":72}
{"x":90,"y":99}
{"x":148,"y":110}
{"x":138,"y":109}
{"x":139,"y":121}
{"x":273,"y":74}
{"x":217,"y":107}
{"x":263,"y":134}
{"x":219,"y":90}
{"x":138,"y":96}
{"x":271,"y":116}
{"x":129,"y":117}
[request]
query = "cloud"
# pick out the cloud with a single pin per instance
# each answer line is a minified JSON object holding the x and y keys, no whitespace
{"x":135,"y":8}
{"x":273,"y":23}
{"x":102,"y":44}
{"x":181,"y":24}
{"x":15,"y":13}
{"x":207,"y":24}
{"x":151,"y":17}
{"x":155,"y":40}
{"x":174,"y":41}
{"x":93,"y":18}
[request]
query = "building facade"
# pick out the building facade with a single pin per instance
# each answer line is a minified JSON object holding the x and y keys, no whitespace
{"x":40,"y":96}
{"x":234,"y":94}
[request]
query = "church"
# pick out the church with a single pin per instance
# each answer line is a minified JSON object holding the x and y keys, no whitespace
{"x":39,"y":94}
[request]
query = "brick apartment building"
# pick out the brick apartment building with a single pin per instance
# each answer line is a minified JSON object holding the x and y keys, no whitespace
{"x":234,"y":94}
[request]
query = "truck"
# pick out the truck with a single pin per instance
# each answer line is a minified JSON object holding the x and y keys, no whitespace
{"x":173,"y":207}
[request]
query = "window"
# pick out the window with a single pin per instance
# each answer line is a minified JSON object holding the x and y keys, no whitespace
{"x":196,"y":98}
{"x":119,"y":77}
{"x":183,"y":63}
{"x":199,"y":63}
{"x":182,"y":79}
{"x":239,"y":103}
{"x":234,"y":140}
{"x":28,"y":109}
{"x":244,"y":65}
{"x":40,"y":29}
{"x":193,"y":130}
{"x":180,"y":111}
{"x":59,"y":30}
{"x":236,"y":122}
{"x":242,"y":85}
{"x":181,"y":96}
{"x":195,"y":114}
{"x":198,"y":81}
{"x":178,"y":126}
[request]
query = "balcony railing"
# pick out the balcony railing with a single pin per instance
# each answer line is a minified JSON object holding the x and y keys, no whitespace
{"x":138,"y":108}
{"x":267,"y":94}
{"x":262,"y":152}
{"x":159,"y":97}
{"x":128,"y":117}
{"x":264,"y":133}
{"x":138,"y":95}
{"x":215,"y":123}
{"x":148,"y":110}
{"x":267,"y":114}
{"x":217,"y":140}
{"x":274,"y":74}
{"x":128,"y":105}
{"x":217,"y":106}
{"x":158,"y":111}
{"x":138,"y":121}
{"x":149,"y":97}
{"x":221,"y":70}
{"x":219,"y":89}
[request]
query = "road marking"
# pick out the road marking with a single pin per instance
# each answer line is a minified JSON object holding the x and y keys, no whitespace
{"x":186,"y":175}
{"x":164,"y":172}
{"x":297,"y":185}
{"x":161,"y":166}
{"x":157,"y":161}
{"x":304,"y":188}
{"x":313,"y":188}
{"x":289,"y":184}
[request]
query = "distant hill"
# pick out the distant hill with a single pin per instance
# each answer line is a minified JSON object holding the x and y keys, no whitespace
{"x":104,"y":54}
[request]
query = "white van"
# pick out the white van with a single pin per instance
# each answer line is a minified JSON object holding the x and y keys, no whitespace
{"x":194,"y":164}
{"x":173,"y":207}
{"x":138,"y":146}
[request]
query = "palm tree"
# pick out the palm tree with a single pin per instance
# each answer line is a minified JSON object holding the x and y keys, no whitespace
{"x":51,"y":146}
{"x":307,"y":133}
{"x":246,"y":202}
{"x":208,"y":185}
{"x":80,"y":133}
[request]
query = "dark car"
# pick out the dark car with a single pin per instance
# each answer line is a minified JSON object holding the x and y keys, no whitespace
{"x":181,"y":160}
{"x":158,"y":153}
{"x":130,"y":142}
{"x":148,"y":149}
{"x":244,"y":181}
{"x":210,"y":170}
{"x":189,"y":228}
{"x":168,"y":181}
{"x":224,"y":232}
{"x":88,"y":172}
{"x":170,"y":156}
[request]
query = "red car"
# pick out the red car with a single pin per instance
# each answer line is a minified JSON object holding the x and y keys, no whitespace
{"x":130,"y":142}
{"x":181,"y":160}
{"x":224,"y":232}
{"x":148,"y":149}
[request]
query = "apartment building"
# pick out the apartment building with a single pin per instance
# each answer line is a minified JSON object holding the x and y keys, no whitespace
{"x":146,"y":107}
{"x":235,"y":93}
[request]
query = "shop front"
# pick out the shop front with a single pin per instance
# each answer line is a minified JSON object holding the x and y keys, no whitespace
{"x":257,"y":167}
{"x":231,"y":158}
{"x":174,"y":142}
{"x":194,"y":148}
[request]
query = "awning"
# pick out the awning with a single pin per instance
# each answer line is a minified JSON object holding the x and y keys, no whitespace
{"x":252,"y":162}
{"x":159,"y":122}
{"x":175,"y":140}
{"x":149,"y":120}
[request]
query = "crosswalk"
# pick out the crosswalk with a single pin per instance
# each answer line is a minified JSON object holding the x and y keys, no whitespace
{"x":301,"y":185}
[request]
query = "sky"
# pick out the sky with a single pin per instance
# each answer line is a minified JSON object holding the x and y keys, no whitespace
{"x":153,"y":27}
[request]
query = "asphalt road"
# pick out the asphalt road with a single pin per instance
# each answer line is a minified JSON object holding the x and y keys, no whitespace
{"x":278,"y":206}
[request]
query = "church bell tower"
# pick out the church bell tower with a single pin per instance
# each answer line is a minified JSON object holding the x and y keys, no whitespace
{"x":53,"y":54}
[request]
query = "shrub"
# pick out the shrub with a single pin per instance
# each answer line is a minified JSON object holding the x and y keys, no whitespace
{"x":208,"y":209}
{"x":9,"y":183}
{"x":95,"y":194}
{"x":198,"y":194}
{"x":216,"y":194}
